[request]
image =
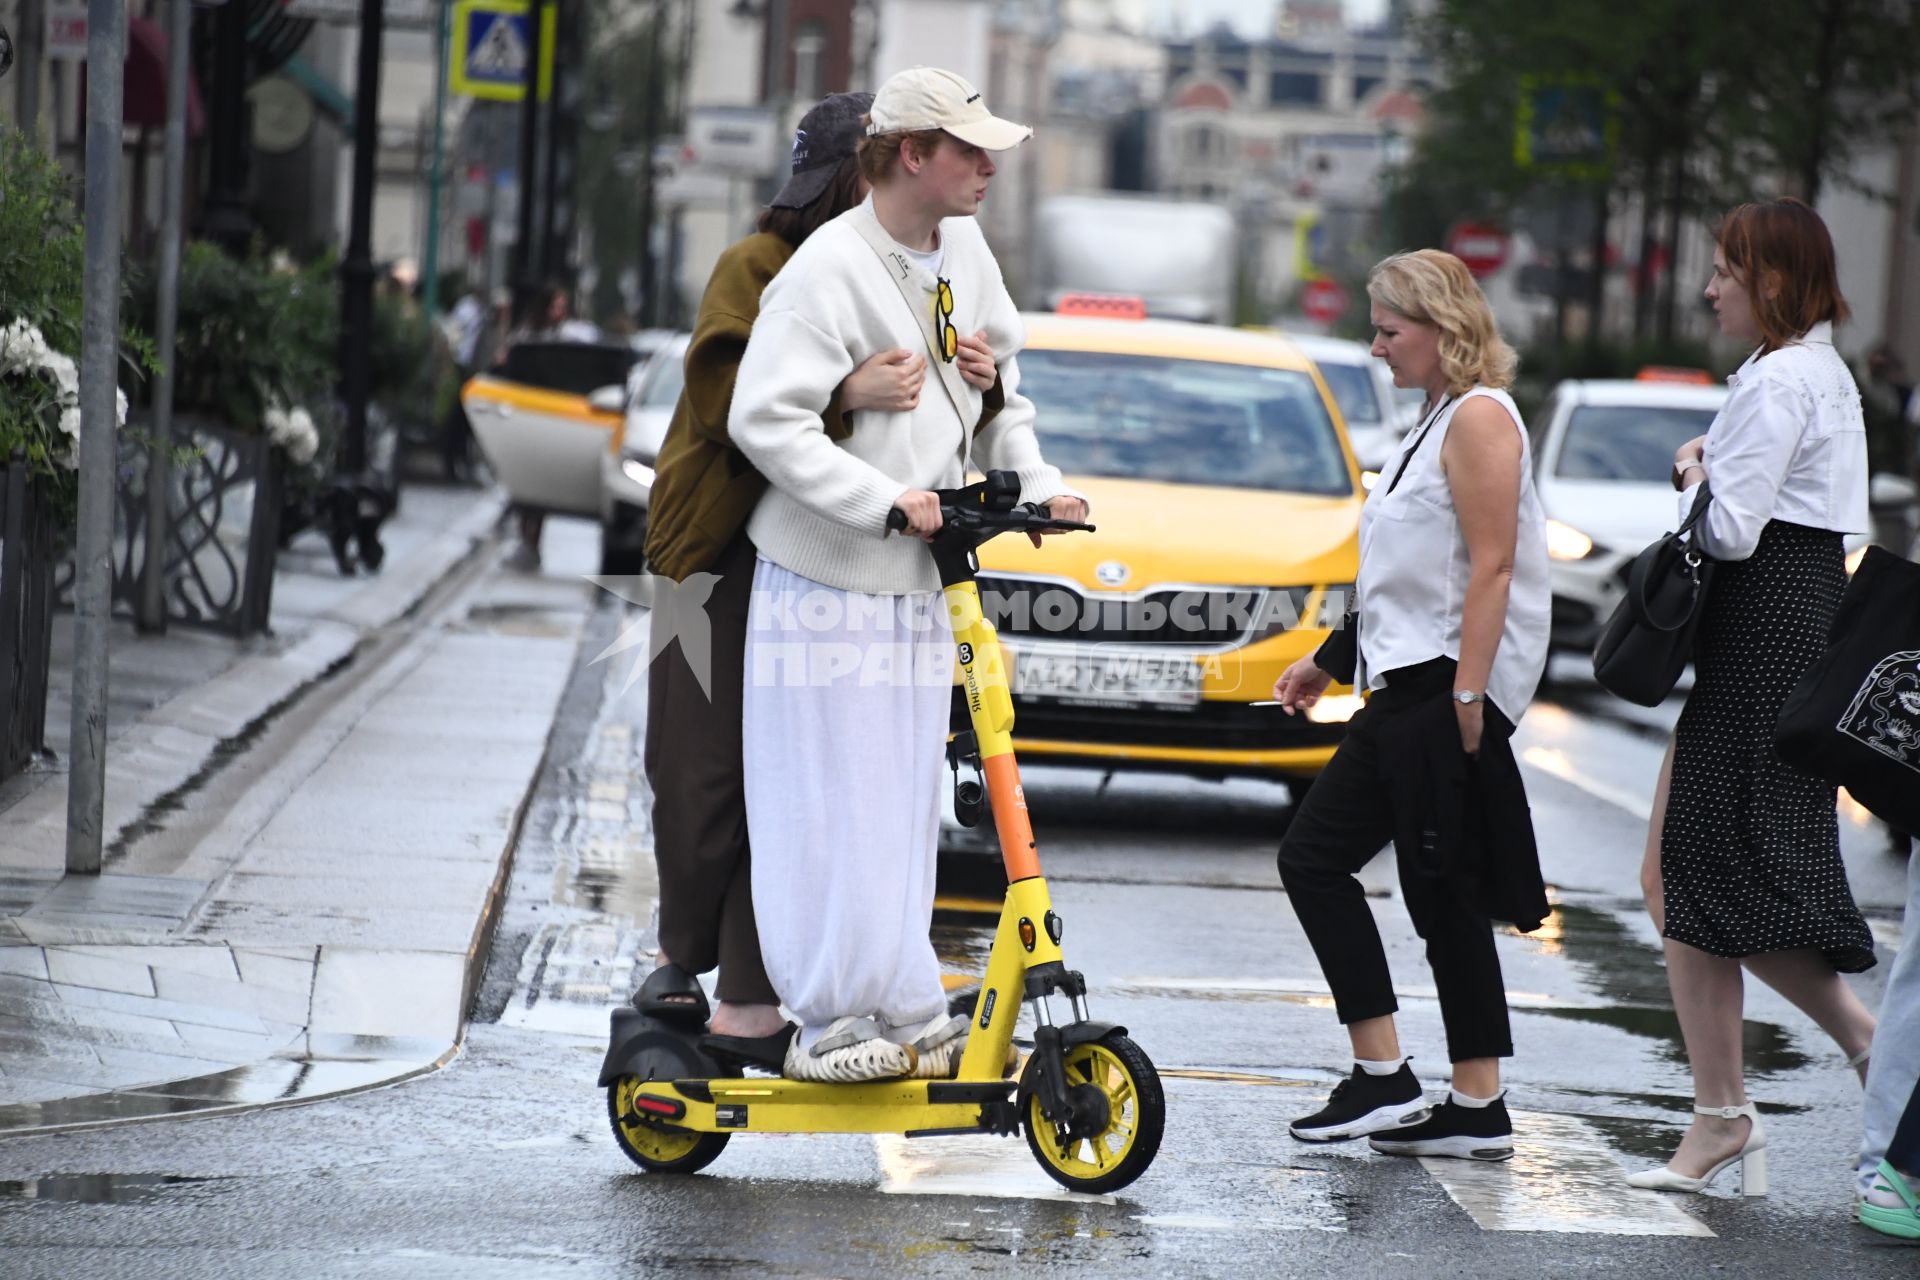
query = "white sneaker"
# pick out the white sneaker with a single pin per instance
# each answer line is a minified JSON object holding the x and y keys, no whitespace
{"x":937,"y":1043}
{"x":851,"y":1061}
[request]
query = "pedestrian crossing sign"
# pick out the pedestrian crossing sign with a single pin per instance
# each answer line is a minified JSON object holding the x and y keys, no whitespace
{"x":492,"y":44}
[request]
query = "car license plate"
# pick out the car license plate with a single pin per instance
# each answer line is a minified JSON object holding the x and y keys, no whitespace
{"x":1100,"y":678}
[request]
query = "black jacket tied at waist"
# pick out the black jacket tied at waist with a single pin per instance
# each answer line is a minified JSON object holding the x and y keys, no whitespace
{"x":1461,"y":823}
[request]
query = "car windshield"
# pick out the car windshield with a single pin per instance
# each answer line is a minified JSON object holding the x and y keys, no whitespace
{"x":1634,"y":443}
{"x":1352,"y":387}
{"x":663,"y":386}
{"x":1183,"y":422}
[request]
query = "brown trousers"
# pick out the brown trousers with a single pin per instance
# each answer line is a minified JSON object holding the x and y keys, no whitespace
{"x":693,"y":762}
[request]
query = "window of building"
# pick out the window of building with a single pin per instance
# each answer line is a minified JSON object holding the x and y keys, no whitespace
{"x":1296,"y":87}
{"x":810,"y":61}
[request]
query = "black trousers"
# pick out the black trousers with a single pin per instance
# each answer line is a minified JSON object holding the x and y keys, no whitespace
{"x":1347,"y":818}
{"x":694,"y":765}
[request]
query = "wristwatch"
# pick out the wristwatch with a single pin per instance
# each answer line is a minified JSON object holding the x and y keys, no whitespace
{"x":1467,"y":699}
{"x":1680,"y":470}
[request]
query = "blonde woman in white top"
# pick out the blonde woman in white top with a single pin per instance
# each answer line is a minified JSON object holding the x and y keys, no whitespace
{"x":1453,"y":602}
{"x":1742,"y":867}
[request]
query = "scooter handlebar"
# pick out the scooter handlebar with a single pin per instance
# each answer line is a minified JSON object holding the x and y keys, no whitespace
{"x":1028,"y":517}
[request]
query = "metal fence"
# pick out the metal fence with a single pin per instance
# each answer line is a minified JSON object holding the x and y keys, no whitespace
{"x":26,"y":615}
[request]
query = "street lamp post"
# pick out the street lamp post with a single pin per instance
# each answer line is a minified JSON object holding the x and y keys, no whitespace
{"x":356,"y":311}
{"x":227,"y":220}
{"x":526,"y":245}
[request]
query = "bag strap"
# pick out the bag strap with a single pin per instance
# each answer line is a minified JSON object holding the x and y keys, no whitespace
{"x":1699,"y":509}
{"x":1673,"y":546}
{"x":1426,"y":428}
{"x":900,"y":271}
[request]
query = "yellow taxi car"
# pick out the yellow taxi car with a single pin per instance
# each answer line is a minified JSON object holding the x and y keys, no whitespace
{"x":1227,"y":504}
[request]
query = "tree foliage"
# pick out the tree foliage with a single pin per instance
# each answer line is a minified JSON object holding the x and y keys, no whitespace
{"x":1718,"y":101}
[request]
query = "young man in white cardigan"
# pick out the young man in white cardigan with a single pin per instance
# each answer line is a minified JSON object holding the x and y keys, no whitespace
{"x":849,"y":660}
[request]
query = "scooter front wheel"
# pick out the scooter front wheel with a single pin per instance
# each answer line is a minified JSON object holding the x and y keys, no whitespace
{"x":1122,"y":1075}
{"x":655,"y":1147}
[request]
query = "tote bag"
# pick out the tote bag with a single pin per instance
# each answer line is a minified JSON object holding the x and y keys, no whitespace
{"x":1854,"y":718}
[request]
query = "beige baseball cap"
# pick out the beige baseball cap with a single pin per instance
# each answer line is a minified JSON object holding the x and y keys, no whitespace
{"x":929,"y":98}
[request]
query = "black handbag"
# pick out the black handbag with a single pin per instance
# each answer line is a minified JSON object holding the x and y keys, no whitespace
{"x":1854,"y":718}
{"x":1649,"y":639}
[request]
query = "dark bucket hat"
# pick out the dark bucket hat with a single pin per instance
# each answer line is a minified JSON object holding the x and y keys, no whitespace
{"x":827,"y":135}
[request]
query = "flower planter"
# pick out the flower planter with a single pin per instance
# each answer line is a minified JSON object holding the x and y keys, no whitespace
{"x":26,"y":615}
{"x":223,"y":522}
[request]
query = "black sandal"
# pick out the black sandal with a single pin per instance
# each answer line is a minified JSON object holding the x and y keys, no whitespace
{"x":769,"y":1053}
{"x":672,"y":994}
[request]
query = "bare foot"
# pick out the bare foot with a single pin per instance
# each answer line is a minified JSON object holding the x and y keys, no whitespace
{"x":748,"y":1021}
{"x":1709,"y":1141}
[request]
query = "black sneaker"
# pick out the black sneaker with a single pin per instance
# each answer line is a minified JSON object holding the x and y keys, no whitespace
{"x":1363,"y":1104}
{"x":1471,"y":1133}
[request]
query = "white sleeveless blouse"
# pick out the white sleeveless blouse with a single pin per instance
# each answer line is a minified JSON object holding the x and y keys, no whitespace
{"x":1414,"y":570}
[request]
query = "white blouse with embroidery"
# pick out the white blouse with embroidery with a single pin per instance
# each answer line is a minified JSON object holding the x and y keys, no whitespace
{"x":1789,"y":444}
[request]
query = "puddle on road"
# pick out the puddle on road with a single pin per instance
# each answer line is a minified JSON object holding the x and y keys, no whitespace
{"x":105,"y":1188}
{"x":518,"y":620}
{"x":1628,"y":975}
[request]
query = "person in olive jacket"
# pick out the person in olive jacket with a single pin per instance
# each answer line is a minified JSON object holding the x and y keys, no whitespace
{"x":704,"y":490}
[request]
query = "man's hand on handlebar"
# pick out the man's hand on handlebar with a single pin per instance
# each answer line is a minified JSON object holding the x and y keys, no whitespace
{"x":1064,"y":507}
{"x":921,"y":507}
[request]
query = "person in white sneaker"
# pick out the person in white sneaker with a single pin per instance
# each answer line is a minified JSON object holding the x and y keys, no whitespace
{"x":849,"y":658}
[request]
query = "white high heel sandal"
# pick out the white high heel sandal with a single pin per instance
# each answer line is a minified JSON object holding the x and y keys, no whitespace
{"x":1751,"y":1157}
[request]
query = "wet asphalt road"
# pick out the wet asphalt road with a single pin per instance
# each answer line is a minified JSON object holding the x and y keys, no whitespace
{"x":502,"y":1165}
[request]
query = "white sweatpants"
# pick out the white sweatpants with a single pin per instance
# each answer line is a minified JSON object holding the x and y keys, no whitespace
{"x":844,"y":730}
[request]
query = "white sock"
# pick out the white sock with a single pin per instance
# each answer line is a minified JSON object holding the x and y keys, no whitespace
{"x":1462,"y":1100}
{"x":1379,"y":1068}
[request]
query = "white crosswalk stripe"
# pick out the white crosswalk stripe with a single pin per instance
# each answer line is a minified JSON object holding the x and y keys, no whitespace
{"x":1562,"y":1177}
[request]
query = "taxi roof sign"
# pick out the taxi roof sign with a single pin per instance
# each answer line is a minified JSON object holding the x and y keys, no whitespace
{"x":1672,"y":373}
{"x":1112,"y":306}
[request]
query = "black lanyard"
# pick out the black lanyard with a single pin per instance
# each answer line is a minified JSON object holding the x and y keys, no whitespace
{"x":1419,"y":440}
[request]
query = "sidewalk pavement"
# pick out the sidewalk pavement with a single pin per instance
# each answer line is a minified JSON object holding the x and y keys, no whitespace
{"x":312,"y":921}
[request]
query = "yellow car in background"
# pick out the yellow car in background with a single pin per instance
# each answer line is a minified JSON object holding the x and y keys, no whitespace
{"x":1227,"y":504}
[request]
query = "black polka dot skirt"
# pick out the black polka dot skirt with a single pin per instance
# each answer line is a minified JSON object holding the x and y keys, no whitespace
{"x":1750,"y":853}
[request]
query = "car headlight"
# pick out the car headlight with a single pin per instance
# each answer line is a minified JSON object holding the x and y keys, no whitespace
{"x":1564,"y":542}
{"x":637,"y":471}
{"x":1335,"y":708}
{"x":1368,"y":479}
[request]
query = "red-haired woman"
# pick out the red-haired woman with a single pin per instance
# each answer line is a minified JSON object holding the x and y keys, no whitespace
{"x":1743,"y":868}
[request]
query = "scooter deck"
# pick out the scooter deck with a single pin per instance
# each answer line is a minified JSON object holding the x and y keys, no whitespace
{"x":773,"y":1105}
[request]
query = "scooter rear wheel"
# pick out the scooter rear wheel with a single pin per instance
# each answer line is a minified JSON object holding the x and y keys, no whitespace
{"x":655,"y":1147}
{"x":1136,"y":1116}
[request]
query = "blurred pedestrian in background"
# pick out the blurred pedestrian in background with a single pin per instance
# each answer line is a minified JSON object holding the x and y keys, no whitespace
{"x":548,"y":317}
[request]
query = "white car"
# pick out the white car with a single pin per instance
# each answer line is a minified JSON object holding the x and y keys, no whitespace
{"x":1603,"y":461}
{"x":626,"y":469}
{"x":1377,"y":417}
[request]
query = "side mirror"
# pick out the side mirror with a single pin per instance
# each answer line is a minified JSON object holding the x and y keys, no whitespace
{"x":608,"y":399}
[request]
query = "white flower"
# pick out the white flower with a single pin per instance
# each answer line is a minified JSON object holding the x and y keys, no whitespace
{"x":70,"y":422}
{"x":120,"y":406}
{"x":291,"y":430}
{"x":304,"y":445}
{"x":66,"y":374}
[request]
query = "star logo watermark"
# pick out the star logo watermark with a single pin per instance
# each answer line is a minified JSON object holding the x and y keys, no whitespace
{"x":674,"y":611}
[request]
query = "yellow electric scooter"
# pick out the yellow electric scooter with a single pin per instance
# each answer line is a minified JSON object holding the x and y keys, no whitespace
{"x":1089,"y":1098}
